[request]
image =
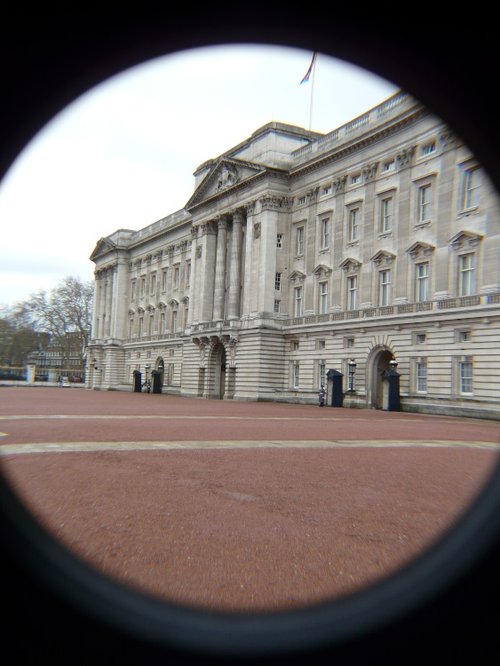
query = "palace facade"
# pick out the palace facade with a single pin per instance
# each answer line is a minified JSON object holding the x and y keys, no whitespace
{"x":300,"y":253}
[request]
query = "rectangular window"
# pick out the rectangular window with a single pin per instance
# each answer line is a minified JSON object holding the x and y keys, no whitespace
{"x":323,"y":297}
{"x":424,"y":203}
{"x":162,"y":322}
{"x":151,"y":324}
{"x":141,"y":326}
{"x":298,"y":301}
{"x":422,"y":282}
{"x":132,"y":295}
{"x":174,"y":321}
{"x":277,"y":306}
{"x":352,"y":292}
{"x":384,"y":287}
{"x":164,"y":280}
{"x":153,"y":283}
{"x":355,"y":179}
{"x":277,"y":282}
{"x":428,"y":148}
{"x":421,"y":371}
{"x":325,"y":232}
{"x":176,"y":277}
{"x":470,"y":188}
{"x":385,"y":215}
{"x":388,"y":166}
{"x":327,"y":189}
{"x":295,"y":375}
{"x":321,"y":374}
{"x":188,"y":273}
{"x":300,"y":241}
{"x":466,"y":274}
{"x":465,"y":368}
{"x":143,"y":286}
{"x":279,"y":241}
{"x":353,"y":231}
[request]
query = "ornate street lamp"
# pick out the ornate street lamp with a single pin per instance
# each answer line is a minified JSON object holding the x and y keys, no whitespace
{"x":352,"y":371}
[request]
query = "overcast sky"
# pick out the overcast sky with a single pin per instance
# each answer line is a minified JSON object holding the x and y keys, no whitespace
{"x":123,"y":155}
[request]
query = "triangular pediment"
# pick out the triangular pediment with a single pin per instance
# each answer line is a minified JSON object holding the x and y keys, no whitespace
{"x":225,"y":174}
{"x":350,"y":264}
{"x":383,"y":257}
{"x":465,"y":238}
{"x":103,"y":247}
{"x":419,"y":248}
{"x":297,"y":276}
{"x":322,"y":271}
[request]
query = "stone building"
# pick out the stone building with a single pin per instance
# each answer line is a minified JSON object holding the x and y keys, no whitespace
{"x":300,"y":253}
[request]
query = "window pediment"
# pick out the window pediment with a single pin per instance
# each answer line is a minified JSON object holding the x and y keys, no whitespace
{"x":350,"y":265}
{"x":383,"y":258}
{"x":420,"y":249}
{"x":322,"y":271}
{"x":464,"y":239}
{"x":297,"y":277}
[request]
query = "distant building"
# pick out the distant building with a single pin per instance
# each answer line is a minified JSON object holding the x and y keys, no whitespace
{"x":299,"y":252}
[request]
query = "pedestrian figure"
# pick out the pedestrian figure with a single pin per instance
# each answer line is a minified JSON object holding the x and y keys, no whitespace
{"x":322,"y":396}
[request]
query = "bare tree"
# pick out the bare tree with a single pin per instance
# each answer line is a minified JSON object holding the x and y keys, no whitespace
{"x":65,"y":313}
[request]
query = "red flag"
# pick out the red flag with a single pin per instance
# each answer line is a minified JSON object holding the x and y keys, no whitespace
{"x":308,"y":73}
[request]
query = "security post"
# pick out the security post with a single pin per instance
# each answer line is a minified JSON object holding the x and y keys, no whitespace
{"x":335,"y":384}
{"x":137,"y":381}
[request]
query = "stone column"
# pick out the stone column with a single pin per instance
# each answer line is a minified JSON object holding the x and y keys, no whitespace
{"x":206,"y":266}
{"x":109,"y":299}
{"x":119,"y":322}
{"x":220,"y":269}
{"x":97,"y":304}
{"x":250,"y":248}
{"x":235,"y":268}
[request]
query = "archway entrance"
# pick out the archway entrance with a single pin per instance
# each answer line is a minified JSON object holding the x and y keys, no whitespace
{"x":217,"y":387}
{"x":160,"y":367}
{"x":379,"y":364}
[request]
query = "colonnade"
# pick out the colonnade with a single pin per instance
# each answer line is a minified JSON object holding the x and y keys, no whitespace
{"x":217,"y":275}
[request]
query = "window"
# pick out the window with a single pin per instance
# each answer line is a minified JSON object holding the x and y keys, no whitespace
{"x":352,"y":292}
{"x":355,"y":179}
{"x":174,"y":321}
{"x":388,"y":166}
{"x":295,"y":375}
{"x":463,"y":336}
{"x":164,"y":280}
{"x":300,"y":241}
{"x":301,"y":201}
{"x":162,"y":322}
{"x":298,"y":301}
{"x":466,"y":274}
{"x":470,"y":188}
{"x":324,"y":232}
{"x":323,"y":297}
{"x":153,"y":283}
{"x":465,"y":369}
{"x":151,"y":324}
{"x":132,"y":296}
{"x":277,"y":281}
{"x":424,"y":203}
{"x":348,"y":343}
{"x":421,"y":375}
{"x":384,"y":287}
{"x":420,"y":338}
{"x":277,"y":306}
{"x":385,"y":215}
{"x":321,"y":344}
{"x":422,"y":282}
{"x":327,"y":189}
{"x":428,"y":148}
{"x":143,"y":285}
{"x":353,"y":230}
{"x":321,"y":374}
{"x":141,"y":326}
{"x":279,"y":241}
{"x":188,"y":273}
{"x":176,"y":277}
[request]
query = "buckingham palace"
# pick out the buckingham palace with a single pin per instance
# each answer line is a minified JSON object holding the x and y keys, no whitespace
{"x":301,"y":255}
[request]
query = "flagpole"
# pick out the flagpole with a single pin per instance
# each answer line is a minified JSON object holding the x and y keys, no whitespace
{"x":312,"y":94}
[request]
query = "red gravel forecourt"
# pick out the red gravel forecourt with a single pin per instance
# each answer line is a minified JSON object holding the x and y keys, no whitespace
{"x":238,"y":506}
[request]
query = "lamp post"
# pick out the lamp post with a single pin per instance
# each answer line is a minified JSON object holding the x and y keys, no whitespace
{"x":352,"y":371}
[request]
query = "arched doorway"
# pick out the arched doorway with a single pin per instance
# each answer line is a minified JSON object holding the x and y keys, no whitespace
{"x":378,"y":363}
{"x":160,"y":367}
{"x":217,"y":380}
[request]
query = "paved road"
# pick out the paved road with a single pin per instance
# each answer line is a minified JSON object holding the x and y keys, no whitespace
{"x":239,"y":506}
